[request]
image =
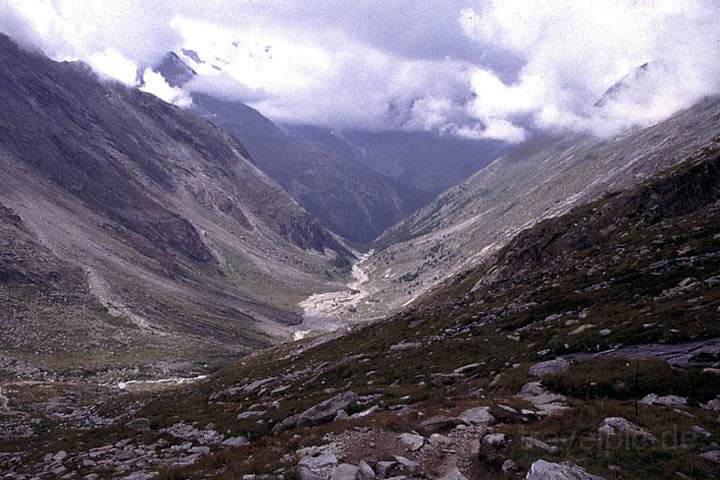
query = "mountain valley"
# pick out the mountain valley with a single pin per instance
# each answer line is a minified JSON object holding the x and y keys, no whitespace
{"x":205,"y":293}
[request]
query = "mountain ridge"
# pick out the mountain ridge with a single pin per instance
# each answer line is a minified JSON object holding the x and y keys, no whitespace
{"x":174,"y":230}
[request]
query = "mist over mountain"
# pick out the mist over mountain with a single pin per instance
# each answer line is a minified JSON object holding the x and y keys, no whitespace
{"x":356,"y":183}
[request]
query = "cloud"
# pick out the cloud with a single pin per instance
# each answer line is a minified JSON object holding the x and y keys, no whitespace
{"x":477,"y":69}
{"x":155,"y":83}
{"x":112,"y":64}
{"x":573,"y":51}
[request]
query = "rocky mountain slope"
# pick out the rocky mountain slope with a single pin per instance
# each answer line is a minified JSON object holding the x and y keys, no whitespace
{"x":350,"y":199}
{"x":586,"y":348}
{"x":427,"y":161}
{"x":150,"y":229}
{"x":543,"y":178}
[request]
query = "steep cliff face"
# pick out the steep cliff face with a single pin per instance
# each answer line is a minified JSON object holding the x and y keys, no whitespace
{"x":163,"y":214}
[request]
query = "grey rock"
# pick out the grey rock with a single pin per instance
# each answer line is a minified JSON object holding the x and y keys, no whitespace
{"x":408,"y":466}
{"x":454,"y":474}
{"x":546,"y":402}
{"x":581,"y":329}
{"x":286,"y":424}
{"x":384,"y":468}
{"x":326,"y":411}
{"x":712,"y":456}
{"x":550,"y":367}
{"x":414,"y":442}
{"x":622,"y":426}
{"x":235,"y":441}
{"x":200,"y":450}
{"x":509,"y":466}
{"x":319,"y":467}
{"x":666,"y":400}
{"x":60,"y":456}
{"x":542,"y":470}
{"x":365,"y":472}
{"x":478,"y":416}
{"x":250,"y":414}
{"x":344,"y":471}
{"x":366,"y":412}
{"x":440,"y":424}
{"x":495,"y":440}
{"x":713,"y":405}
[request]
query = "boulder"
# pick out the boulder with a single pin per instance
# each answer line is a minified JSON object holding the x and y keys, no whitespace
{"x":250,"y":414}
{"x":454,"y":474}
{"x":319,"y":467}
{"x":666,"y":400}
{"x":546,"y":402}
{"x":286,"y":424}
{"x":581,"y":329}
{"x":713,"y":405}
{"x":712,"y":456}
{"x":624,"y":427}
{"x":440,"y":424}
{"x":509,"y":466}
{"x":235,"y":441}
{"x":365,"y":472}
{"x":344,"y":471}
{"x":495,"y":440}
{"x":542,"y":470}
{"x":413,"y":442}
{"x":384,"y":468}
{"x":408,"y":466}
{"x":530,"y":443}
{"x":550,"y":367}
{"x":326,"y":411}
{"x":478,"y":416}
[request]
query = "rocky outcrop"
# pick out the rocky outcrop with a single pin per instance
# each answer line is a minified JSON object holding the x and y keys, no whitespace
{"x":545,"y":402}
{"x":327,"y":410}
{"x":478,"y":416}
{"x":542,"y":470}
{"x":665,"y":400}
{"x":619,"y":426}
{"x":550,"y":367}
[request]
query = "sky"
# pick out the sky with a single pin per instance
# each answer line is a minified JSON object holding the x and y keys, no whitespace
{"x":481,"y":69}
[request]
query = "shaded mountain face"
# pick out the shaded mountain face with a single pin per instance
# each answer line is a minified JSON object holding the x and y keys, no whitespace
{"x":425,"y":160}
{"x":356,"y":183}
{"x":542,"y":178}
{"x":160,"y":214}
{"x":348,"y":198}
{"x":553,"y":337}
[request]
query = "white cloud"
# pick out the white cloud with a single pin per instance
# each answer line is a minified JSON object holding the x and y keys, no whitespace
{"x":155,"y":83}
{"x":573,"y":51}
{"x":114,"y":65}
{"x":478,"y":69}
